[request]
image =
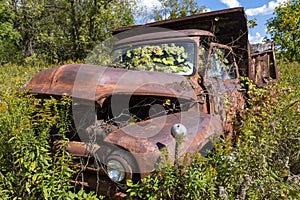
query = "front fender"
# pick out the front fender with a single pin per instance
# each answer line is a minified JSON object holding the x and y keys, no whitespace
{"x":145,"y":140}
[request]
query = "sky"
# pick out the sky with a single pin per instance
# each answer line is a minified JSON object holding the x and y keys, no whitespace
{"x":261,"y":10}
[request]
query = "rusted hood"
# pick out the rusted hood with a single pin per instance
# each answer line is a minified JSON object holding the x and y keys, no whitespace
{"x":143,"y":137}
{"x":145,"y":140}
{"x":95,"y":82}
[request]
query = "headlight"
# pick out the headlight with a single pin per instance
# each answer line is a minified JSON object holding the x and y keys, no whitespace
{"x":115,"y":170}
{"x":120,"y":166}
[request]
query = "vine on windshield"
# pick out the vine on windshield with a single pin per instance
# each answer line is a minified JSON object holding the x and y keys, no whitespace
{"x":165,"y":58}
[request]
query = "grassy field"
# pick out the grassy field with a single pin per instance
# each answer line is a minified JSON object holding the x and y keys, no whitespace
{"x":263,"y":164}
{"x":30,"y":169}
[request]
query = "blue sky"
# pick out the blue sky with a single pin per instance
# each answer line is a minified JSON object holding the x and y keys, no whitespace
{"x":261,"y":10}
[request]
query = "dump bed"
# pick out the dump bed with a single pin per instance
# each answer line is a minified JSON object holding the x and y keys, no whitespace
{"x":262,"y":65}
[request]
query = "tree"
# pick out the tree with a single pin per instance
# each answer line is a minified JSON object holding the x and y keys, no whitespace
{"x":28,"y":21}
{"x":9,"y":36}
{"x":175,"y":8}
{"x":285,"y":30}
{"x":87,"y":23}
{"x":60,"y":30}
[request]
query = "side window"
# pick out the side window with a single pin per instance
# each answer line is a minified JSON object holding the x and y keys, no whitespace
{"x":221,"y":64}
{"x":203,"y":57}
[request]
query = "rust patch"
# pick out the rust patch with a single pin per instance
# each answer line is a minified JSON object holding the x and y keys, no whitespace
{"x":263,"y":67}
{"x":142,"y":139}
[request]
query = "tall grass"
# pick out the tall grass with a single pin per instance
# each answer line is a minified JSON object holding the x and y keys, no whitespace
{"x":264,"y":163}
{"x":30,"y":168}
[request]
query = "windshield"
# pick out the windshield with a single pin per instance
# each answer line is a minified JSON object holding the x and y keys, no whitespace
{"x":169,"y":57}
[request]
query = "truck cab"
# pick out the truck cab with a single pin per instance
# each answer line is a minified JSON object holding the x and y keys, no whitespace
{"x":209,"y":66}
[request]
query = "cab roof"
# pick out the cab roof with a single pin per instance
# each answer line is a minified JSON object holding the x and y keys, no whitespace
{"x":160,"y":34}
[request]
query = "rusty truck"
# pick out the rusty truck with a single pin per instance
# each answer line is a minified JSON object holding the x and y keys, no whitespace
{"x":166,"y":80}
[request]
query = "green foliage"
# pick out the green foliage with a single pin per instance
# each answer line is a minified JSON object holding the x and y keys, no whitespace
{"x":178,"y":9}
{"x":9,"y":36}
{"x":30,"y":167}
{"x":57,"y":31}
{"x":252,"y":23}
{"x":263,"y":163}
{"x":175,"y":8}
{"x":178,"y":182}
{"x":165,"y":58}
{"x":285,"y":31}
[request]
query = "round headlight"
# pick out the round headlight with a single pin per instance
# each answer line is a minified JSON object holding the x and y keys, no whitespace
{"x":115,"y":170}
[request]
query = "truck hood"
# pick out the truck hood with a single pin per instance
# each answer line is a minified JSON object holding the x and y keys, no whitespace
{"x":95,"y":82}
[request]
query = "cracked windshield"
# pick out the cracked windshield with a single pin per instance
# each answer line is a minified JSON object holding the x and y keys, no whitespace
{"x":168,"y":57}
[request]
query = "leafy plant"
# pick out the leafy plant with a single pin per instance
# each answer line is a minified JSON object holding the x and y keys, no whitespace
{"x":168,"y":58}
{"x":284,"y":30}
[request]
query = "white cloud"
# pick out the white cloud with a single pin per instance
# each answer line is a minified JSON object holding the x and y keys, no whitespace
{"x":257,"y":38}
{"x":148,"y":4}
{"x":265,"y":9}
{"x":144,"y":10}
{"x":207,"y":10}
{"x":231,"y":3}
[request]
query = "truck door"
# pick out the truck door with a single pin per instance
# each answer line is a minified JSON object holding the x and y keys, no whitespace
{"x":221,"y":79}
